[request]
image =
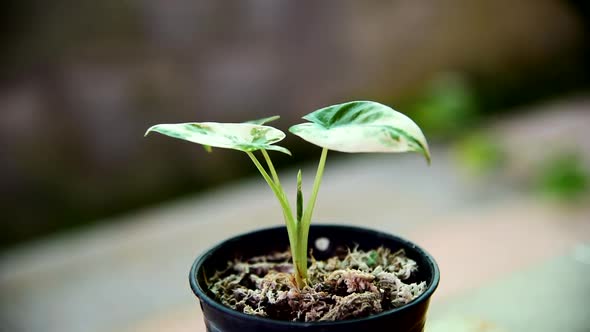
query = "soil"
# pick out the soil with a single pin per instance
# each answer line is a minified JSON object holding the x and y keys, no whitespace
{"x":352,"y":285}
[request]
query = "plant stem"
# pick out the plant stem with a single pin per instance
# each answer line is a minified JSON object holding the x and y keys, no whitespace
{"x":298,"y":228}
{"x":303,"y":225}
{"x":271,"y":167}
{"x":292,"y":224}
{"x":316,"y":187}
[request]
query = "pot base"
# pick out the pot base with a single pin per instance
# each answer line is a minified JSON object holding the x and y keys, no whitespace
{"x":218,"y":318}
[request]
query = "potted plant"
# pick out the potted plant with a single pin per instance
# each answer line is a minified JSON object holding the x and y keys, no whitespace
{"x":353,"y":278}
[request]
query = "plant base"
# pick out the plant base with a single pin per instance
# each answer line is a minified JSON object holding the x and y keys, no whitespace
{"x":352,"y":285}
{"x":410,"y":317}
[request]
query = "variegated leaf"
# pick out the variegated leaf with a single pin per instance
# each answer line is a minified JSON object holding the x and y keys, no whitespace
{"x":257,"y":121}
{"x":245,"y":137}
{"x":362,"y":126}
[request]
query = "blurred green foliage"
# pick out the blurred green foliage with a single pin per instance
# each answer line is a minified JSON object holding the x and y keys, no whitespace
{"x":480,"y":153}
{"x":447,"y":106}
{"x":563,"y":176}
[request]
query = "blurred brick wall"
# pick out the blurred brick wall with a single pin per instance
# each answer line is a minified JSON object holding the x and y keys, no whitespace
{"x":82,"y":80}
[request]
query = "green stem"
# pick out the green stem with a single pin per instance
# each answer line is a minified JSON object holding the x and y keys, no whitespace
{"x":316,"y":187}
{"x":271,"y":167}
{"x":303,"y":225}
{"x":292,"y":225}
{"x":278,"y":191}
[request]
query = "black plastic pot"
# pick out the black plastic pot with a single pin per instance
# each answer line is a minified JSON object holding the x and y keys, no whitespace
{"x":218,"y":318}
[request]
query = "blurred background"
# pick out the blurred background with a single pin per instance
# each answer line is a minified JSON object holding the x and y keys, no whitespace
{"x":501,"y":89}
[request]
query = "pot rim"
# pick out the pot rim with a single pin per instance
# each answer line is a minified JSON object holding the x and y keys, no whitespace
{"x":202,"y":293}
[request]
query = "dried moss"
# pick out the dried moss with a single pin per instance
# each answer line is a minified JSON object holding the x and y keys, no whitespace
{"x":356,"y":284}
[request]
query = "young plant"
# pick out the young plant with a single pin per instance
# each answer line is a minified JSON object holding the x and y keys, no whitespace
{"x":358,"y":126}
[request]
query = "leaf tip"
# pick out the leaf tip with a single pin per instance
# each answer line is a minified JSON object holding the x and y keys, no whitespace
{"x":148,"y":131}
{"x":287,"y":152}
{"x":264,"y":121}
{"x":426,"y":153}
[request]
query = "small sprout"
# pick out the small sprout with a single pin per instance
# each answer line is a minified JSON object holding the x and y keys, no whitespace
{"x":358,"y":126}
{"x":299,"y":197}
{"x":372,"y":258}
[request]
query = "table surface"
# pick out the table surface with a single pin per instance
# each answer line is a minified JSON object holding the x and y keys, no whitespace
{"x":509,"y":261}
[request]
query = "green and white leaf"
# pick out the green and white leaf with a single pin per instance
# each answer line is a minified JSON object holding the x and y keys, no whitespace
{"x":245,"y":137}
{"x":362,"y":126}
{"x":257,"y":121}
